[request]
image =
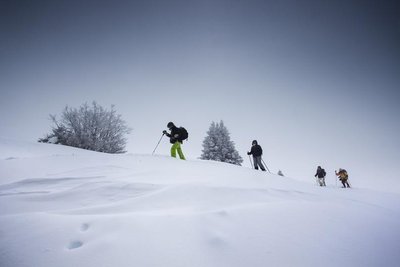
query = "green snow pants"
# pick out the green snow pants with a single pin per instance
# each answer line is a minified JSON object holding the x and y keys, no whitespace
{"x":177,"y":147}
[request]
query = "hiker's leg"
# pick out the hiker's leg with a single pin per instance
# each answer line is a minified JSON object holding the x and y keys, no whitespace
{"x":260,"y":164}
{"x":255,"y":163}
{"x":173,"y":149}
{"x":179,"y":149}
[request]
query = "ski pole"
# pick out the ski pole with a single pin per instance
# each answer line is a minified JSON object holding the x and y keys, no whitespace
{"x":336,"y":180}
{"x":251,"y":163}
{"x":265,"y":165}
{"x":157,"y":144}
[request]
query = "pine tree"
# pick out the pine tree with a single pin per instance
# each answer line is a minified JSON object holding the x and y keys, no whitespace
{"x":217,"y":145}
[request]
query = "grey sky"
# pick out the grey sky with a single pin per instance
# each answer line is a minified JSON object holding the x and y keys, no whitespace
{"x":316,"y":82}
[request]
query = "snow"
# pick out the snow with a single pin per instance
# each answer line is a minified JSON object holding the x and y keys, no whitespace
{"x":61,"y":206}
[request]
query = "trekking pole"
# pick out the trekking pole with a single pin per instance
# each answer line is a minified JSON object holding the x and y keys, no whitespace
{"x":157,"y":144}
{"x":265,"y":165}
{"x":251,"y":163}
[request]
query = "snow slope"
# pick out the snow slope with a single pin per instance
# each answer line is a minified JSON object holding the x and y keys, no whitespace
{"x":61,"y":206}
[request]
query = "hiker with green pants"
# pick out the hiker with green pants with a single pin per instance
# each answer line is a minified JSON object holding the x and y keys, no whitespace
{"x":176,"y":138}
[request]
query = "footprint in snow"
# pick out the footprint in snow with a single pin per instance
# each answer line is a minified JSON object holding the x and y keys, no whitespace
{"x":223,"y":213}
{"x":217,"y":241}
{"x":85,"y":227}
{"x":75,"y":244}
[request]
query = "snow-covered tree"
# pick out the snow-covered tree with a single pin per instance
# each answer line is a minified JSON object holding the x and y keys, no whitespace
{"x":217,"y":145}
{"x":89,"y":127}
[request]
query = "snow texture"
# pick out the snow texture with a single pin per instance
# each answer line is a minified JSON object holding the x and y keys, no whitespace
{"x":62,"y":206}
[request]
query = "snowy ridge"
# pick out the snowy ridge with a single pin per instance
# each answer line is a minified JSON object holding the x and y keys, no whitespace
{"x":62,"y":206}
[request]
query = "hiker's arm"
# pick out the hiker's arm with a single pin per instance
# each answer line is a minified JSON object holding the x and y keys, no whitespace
{"x":166,"y":133}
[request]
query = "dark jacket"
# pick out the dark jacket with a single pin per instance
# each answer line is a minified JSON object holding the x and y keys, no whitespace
{"x":174,"y":135}
{"x":256,"y":151}
{"x":320,"y":173}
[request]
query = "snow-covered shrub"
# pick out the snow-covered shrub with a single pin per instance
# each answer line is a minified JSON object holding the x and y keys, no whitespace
{"x":89,"y":127}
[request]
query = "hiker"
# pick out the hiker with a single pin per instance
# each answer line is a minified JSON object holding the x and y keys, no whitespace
{"x":343,"y":177}
{"x":176,"y":137}
{"x":321,"y":176}
{"x":256,"y":151}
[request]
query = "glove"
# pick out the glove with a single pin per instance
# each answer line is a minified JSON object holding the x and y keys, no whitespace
{"x":249,"y":153}
{"x":164,"y":132}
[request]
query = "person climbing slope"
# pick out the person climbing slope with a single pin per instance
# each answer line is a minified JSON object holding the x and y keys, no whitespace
{"x":176,"y":137}
{"x":321,"y":176}
{"x":343,"y":177}
{"x":256,"y":151}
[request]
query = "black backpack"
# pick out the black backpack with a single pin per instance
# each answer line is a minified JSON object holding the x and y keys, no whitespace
{"x":183,"y":134}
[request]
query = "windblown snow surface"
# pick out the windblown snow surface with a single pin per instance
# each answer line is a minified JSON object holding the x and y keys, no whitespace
{"x":61,"y":206}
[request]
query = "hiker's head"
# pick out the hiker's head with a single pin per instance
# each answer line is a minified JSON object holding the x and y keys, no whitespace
{"x":170,"y":125}
{"x":254,"y":142}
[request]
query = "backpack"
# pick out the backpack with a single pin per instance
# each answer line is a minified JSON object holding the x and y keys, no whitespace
{"x":183,"y":134}
{"x":323,"y":173}
{"x":343,"y":175}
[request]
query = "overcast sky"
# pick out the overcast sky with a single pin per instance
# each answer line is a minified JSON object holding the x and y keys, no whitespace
{"x":315,"y":82}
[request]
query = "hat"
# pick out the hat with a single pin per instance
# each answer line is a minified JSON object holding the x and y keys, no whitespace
{"x":170,"y":125}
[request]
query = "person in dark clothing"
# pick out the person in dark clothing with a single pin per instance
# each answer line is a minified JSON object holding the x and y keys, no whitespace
{"x":175,"y":140}
{"x":256,"y":151}
{"x":321,"y":176}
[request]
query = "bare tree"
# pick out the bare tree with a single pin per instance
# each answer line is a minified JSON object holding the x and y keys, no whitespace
{"x":89,"y":127}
